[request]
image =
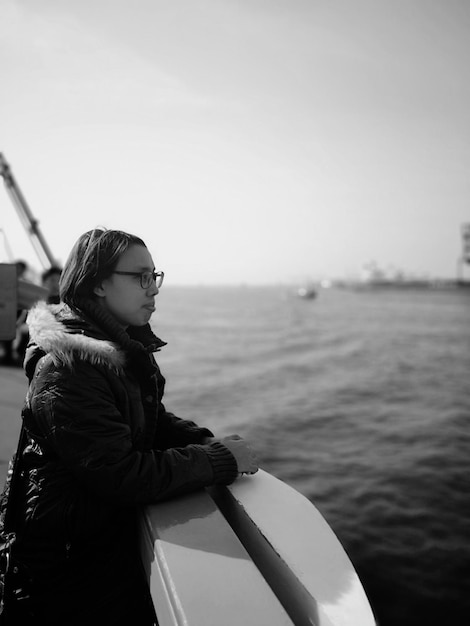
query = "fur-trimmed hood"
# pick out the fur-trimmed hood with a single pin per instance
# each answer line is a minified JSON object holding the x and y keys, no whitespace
{"x":58,"y":331}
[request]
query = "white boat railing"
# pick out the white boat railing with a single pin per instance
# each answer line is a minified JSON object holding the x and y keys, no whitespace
{"x":254,"y":553}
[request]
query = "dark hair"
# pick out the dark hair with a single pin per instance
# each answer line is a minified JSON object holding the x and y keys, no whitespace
{"x":92,"y":259}
{"x":21,"y":266}
{"x":54,"y":269}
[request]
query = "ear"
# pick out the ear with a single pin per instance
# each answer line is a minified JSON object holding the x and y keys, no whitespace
{"x":99,"y":290}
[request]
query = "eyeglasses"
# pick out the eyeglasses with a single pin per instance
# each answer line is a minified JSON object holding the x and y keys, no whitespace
{"x":146,"y":278}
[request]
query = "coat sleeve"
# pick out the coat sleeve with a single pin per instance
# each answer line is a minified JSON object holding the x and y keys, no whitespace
{"x":174,"y":432}
{"x":77,"y":413}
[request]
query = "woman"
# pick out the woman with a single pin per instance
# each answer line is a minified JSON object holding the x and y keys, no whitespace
{"x":100,"y":441}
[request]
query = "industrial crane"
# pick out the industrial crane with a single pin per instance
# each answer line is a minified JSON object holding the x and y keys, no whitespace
{"x":17,"y":294}
{"x":30,"y":224}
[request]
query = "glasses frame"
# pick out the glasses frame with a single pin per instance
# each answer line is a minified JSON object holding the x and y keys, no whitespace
{"x":156,"y":277}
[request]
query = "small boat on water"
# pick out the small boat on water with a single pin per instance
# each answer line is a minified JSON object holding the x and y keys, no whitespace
{"x":307,"y":292}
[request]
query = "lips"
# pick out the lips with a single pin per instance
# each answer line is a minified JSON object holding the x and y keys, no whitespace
{"x":149,"y":307}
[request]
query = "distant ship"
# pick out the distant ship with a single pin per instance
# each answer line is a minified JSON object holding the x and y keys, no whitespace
{"x":376,"y":278}
{"x":308,"y":292}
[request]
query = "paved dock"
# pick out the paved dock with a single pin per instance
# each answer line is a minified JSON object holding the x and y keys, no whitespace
{"x":13,"y":386}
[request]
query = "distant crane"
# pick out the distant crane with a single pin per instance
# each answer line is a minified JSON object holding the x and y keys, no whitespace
{"x":30,"y":224}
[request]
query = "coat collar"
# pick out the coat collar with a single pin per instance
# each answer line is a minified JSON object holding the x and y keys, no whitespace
{"x":58,"y":331}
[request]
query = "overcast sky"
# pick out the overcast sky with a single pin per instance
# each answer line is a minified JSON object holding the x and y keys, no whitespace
{"x":247,"y":141}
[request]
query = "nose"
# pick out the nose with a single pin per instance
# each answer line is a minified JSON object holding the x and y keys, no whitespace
{"x":153,"y":290}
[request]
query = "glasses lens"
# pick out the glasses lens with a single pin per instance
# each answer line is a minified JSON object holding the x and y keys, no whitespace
{"x":146,"y":279}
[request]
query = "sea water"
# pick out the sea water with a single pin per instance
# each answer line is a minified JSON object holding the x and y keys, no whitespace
{"x":358,"y":399}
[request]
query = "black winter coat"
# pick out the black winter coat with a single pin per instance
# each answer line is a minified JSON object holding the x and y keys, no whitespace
{"x":100,"y":443}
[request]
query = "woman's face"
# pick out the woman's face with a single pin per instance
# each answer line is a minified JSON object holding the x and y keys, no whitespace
{"x":123,"y":295}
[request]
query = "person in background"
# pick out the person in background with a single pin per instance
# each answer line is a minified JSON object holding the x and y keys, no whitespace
{"x":100,"y":442}
{"x":50,"y":280}
{"x":21,"y":268}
